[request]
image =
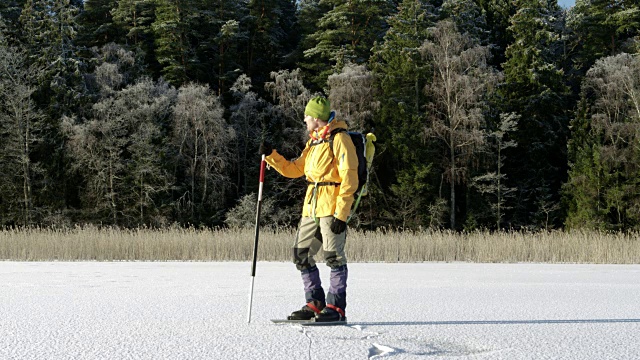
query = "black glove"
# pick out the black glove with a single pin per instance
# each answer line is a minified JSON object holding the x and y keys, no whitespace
{"x":266,"y":148}
{"x":338,"y":226}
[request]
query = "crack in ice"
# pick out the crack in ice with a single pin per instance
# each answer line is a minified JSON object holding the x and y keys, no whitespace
{"x":304,"y":332}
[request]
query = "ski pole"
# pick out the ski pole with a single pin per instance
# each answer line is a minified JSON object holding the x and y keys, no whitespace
{"x":255,"y":242}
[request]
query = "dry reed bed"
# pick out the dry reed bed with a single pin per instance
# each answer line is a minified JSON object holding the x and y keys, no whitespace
{"x":112,"y":244}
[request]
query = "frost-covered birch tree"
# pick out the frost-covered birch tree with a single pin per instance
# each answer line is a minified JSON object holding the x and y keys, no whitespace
{"x":493,"y":182}
{"x":461,"y":79}
{"x":20,"y":131}
{"x":290,"y":97}
{"x":352,"y":95}
{"x":251,"y":117}
{"x":202,"y":139}
{"x":288,"y":134}
{"x":119,"y":153}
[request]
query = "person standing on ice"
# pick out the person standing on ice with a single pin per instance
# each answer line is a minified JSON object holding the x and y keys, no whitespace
{"x":331,"y":171}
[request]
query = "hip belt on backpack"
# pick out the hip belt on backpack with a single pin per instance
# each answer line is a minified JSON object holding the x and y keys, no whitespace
{"x":324,"y":183}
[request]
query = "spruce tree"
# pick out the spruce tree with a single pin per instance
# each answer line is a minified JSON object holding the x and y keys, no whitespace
{"x":498,"y":14}
{"x":96,"y":22}
{"x":534,"y":87}
{"x":605,"y":152}
{"x":50,"y":29}
{"x":401,"y":73}
{"x":9,"y":19}
{"x":468,"y":17}
{"x":345,"y":33}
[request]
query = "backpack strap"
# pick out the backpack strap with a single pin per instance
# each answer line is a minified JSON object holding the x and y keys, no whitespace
{"x":329,"y":140}
{"x":333,"y":134}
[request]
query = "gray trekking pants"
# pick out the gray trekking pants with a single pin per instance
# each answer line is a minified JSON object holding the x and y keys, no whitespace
{"x":309,"y":239}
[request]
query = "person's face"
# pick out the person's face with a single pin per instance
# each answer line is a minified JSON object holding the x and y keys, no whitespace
{"x":312,"y":124}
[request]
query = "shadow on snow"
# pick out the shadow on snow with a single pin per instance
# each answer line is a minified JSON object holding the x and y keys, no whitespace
{"x":497,"y":322}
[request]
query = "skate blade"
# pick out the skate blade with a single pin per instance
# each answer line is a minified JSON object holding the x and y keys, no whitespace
{"x":286,"y":321}
{"x":311,"y":322}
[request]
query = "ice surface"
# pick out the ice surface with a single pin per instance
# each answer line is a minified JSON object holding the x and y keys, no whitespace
{"x":133,"y":310}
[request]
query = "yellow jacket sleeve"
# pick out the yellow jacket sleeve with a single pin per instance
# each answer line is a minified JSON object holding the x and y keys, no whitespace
{"x":347,"y":162}
{"x":288,"y":168}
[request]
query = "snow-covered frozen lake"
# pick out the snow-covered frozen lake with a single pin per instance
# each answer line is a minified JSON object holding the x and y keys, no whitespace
{"x":133,"y":310}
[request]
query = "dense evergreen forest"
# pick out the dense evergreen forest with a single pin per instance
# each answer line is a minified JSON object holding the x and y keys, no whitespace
{"x":494,"y":114}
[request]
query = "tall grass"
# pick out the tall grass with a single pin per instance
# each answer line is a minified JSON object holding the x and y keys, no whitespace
{"x":110,"y":244}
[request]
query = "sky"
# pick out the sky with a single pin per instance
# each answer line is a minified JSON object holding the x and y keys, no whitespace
{"x":566,"y":3}
{"x":189,"y":310}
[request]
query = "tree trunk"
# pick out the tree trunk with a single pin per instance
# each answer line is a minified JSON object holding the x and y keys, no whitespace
{"x":112,"y":199}
{"x":499,"y":184}
{"x":26,"y":177}
{"x":206,"y":170}
{"x":452,"y":216}
{"x":193,"y":172}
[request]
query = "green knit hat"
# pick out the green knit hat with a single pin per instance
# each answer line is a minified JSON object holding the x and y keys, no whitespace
{"x":318,"y":107}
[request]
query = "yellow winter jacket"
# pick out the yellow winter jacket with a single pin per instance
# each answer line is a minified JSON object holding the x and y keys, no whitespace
{"x":322,"y":166}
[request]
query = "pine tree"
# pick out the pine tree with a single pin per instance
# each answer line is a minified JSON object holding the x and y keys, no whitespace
{"x":309,"y":14}
{"x":133,"y":19}
{"x":221,"y":36}
{"x":534,"y":87}
{"x":272,"y":37}
{"x":173,"y":29}
{"x":603,"y":28}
